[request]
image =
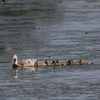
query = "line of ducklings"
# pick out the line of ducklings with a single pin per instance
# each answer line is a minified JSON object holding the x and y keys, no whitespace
{"x":58,"y":63}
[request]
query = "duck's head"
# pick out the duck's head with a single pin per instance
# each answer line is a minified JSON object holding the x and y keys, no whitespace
{"x":14,"y":57}
{"x":81,"y":61}
{"x":47,"y":62}
{"x":58,"y":61}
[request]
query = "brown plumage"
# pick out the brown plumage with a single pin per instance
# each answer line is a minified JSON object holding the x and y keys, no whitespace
{"x":81,"y":62}
{"x":40,"y":64}
{"x":24,"y":63}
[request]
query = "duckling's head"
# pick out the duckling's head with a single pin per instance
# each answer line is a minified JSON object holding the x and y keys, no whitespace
{"x":54,"y":61}
{"x":58,"y":61}
{"x":14,"y":57}
{"x":81,"y":61}
{"x":47,"y":62}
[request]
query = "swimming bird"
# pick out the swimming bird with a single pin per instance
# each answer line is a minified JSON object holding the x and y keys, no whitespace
{"x":81,"y":62}
{"x":23,"y":63}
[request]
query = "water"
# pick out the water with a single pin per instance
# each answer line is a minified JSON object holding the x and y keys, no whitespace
{"x":49,"y":30}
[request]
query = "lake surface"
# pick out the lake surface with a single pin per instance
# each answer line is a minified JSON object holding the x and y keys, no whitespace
{"x":50,"y":30}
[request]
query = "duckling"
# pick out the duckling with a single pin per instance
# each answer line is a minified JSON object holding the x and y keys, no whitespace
{"x":47,"y":63}
{"x":80,"y":61}
{"x":88,"y":63}
{"x":70,"y":62}
{"x":59,"y":63}
{"x":84,"y":63}
{"x":40,"y":64}
{"x":56,"y":62}
{"x":53,"y":62}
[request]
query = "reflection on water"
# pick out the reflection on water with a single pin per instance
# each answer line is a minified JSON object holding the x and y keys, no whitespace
{"x":27,"y":70}
{"x":15,"y":75}
{"x":50,"y":30}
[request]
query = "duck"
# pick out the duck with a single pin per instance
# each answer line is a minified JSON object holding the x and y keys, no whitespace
{"x":81,"y":62}
{"x":56,"y":62}
{"x":71,"y":62}
{"x":25,"y":63}
{"x":48,"y":63}
{"x":40,"y":64}
{"x":60,"y":63}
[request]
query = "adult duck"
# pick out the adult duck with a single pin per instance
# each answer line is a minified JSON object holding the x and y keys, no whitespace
{"x":23,"y":63}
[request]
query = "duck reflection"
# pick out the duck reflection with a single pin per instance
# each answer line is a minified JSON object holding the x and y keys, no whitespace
{"x":15,"y":74}
{"x":28,"y":69}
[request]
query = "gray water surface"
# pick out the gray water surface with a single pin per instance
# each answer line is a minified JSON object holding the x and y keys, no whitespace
{"x":50,"y":30}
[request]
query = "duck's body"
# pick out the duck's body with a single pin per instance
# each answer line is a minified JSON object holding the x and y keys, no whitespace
{"x":40,"y":64}
{"x":81,"y":62}
{"x":56,"y":62}
{"x":24,"y":63}
{"x":48,"y":63}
